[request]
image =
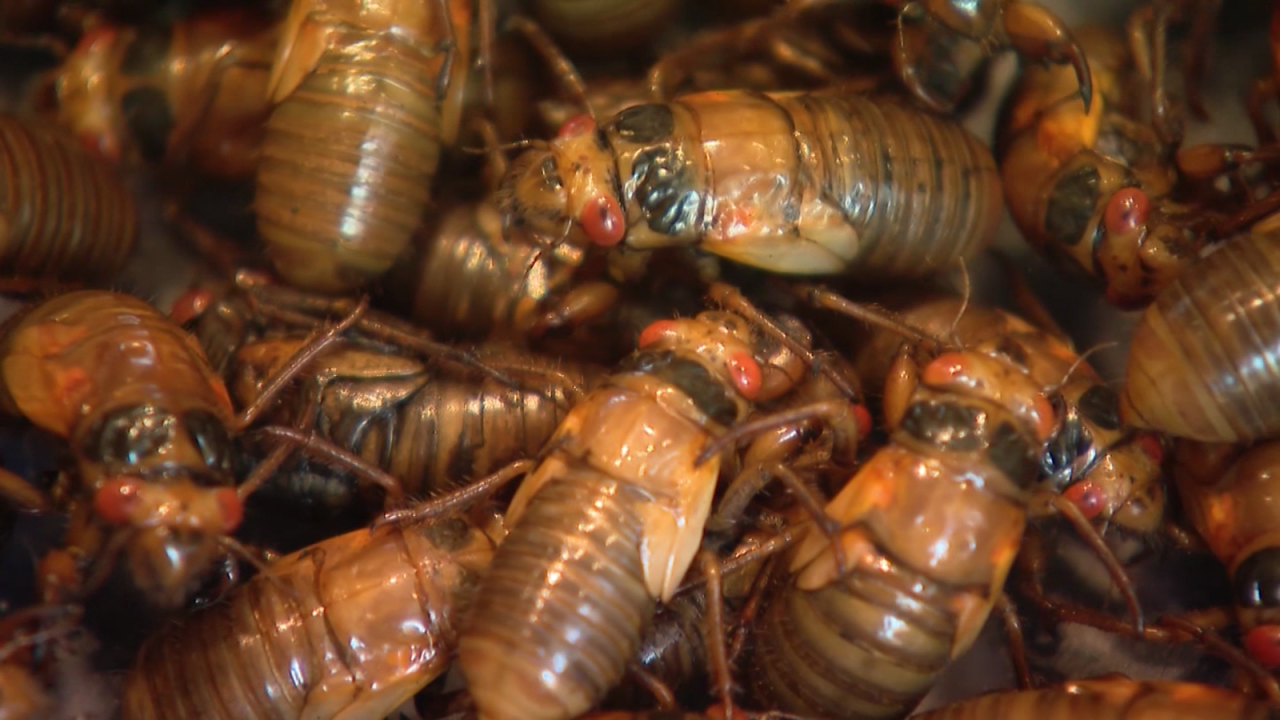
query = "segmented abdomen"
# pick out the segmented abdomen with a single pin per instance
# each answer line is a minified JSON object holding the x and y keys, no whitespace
{"x":818,"y":652}
{"x":454,"y":431}
{"x":347,"y":164}
{"x":471,"y":282}
{"x":563,"y":608}
{"x":62,"y":212}
{"x":921,"y":191}
{"x":322,"y":630}
{"x":1202,"y":362}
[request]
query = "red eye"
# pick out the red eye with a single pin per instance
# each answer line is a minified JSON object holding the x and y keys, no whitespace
{"x":577,"y":125}
{"x":655,"y":332}
{"x":603,"y":222}
{"x":746,"y":374}
{"x":1126,"y":210}
{"x":1263,"y":644}
{"x":863,"y":417}
{"x":1150,"y":444}
{"x":944,"y":368}
{"x":1086,"y":496}
{"x":231,"y":508}
{"x":190,"y":305}
{"x":116,"y":501}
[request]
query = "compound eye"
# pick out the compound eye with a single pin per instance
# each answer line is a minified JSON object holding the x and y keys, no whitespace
{"x":1127,"y":209}
{"x":577,"y":125}
{"x":116,"y":501}
{"x":1088,"y":497}
{"x":863,"y":417}
{"x":602,"y":221}
{"x":1263,"y":645}
{"x":230,"y":508}
{"x":1257,"y":579}
{"x":944,"y":369}
{"x":656,"y":331}
{"x":746,"y":374}
{"x":1152,"y":447}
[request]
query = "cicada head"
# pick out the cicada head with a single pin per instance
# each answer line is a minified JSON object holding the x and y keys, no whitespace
{"x":567,"y":189}
{"x":162,"y":480}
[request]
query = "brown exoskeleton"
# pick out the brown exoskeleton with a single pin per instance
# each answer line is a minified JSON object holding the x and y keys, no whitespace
{"x":431,"y":429}
{"x":191,"y":92}
{"x":366,"y":96}
{"x":800,"y":183}
{"x":939,"y":48}
{"x":1108,"y":470}
{"x":1200,"y":362}
{"x":1230,"y":494}
{"x":350,"y":627}
{"x":149,"y":424}
{"x":928,"y":531}
{"x":604,"y":26}
{"x":1093,"y":189}
{"x":610,"y":520}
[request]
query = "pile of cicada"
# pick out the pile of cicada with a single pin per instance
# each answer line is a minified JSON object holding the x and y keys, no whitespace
{"x":622,"y":359}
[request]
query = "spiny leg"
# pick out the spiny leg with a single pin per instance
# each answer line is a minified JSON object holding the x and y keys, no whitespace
{"x":458,"y":499}
{"x":721,"y":673}
{"x":331,"y":454}
{"x":299,"y":309}
{"x":560,"y":65}
{"x":1017,"y":642}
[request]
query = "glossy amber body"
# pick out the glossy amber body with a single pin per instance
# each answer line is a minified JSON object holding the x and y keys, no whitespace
{"x":432,"y":430}
{"x":350,"y":627}
{"x":606,"y":526}
{"x":351,"y":150}
{"x":930,"y":526}
{"x":143,"y":412}
{"x":1061,"y":166}
{"x":815,"y":183}
{"x":605,"y":26}
{"x":1091,"y":447}
{"x":1203,"y":360}
{"x":467,"y":280}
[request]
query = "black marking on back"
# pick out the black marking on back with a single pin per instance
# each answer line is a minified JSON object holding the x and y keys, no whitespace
{"x":645,"y":124}
{"x":663,"y":183}
{"x":1072,"y":202}
{"x":946,"y":425}
{"x":1009,"y":451}
{"x":1100,"y":406}
{"x":708,"y":392}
